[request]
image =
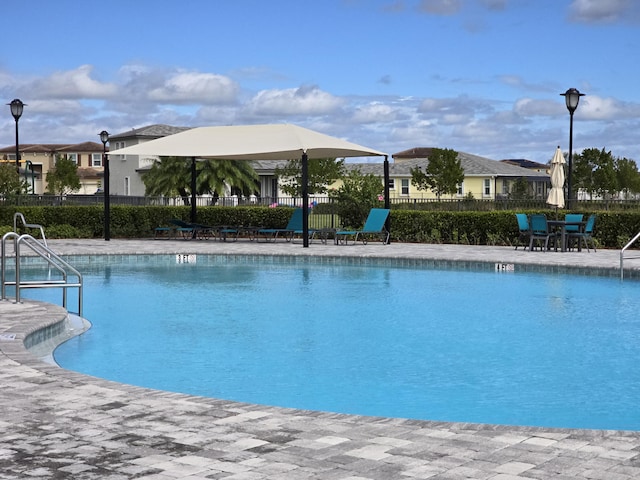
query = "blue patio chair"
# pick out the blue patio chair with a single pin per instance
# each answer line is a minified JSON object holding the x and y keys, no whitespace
{"x":374,"y":226}
{"x":569,"y":229}
{"x":586,"y":235}
{"x":540,"y":231}
{"x":524,"y":229}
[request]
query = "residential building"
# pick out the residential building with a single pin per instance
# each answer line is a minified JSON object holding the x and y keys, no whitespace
{"x":38,"y":159}
{"x":125,"y":171}
{"x":483,"y":178}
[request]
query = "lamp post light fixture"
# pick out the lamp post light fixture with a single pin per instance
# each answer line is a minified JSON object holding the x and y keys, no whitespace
{"x":572,"y":98}
{"x":104,"y":138}
{"x":16,"y":110}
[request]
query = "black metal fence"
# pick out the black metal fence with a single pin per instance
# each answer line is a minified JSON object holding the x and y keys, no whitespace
{"x":425,"y":204}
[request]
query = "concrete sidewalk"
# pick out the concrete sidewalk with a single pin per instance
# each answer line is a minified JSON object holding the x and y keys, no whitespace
{"x":61,"y":424}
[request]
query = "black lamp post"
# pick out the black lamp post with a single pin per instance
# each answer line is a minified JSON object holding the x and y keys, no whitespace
{"x":104,"y":138}
{"x":16,"y":110}
{"x":572,"y":98}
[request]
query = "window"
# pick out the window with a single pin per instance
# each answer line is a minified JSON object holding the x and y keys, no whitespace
{"x":505,"y":187}
{"x":461,"y":189}
{"x":486,"y":190}
{"x":404,"y":186}
{"x":96,"y":159}
{"x":127,"y":186}
{"x":392,"y":184}
{"x":118,"y":146}
{"x":73,"y":157}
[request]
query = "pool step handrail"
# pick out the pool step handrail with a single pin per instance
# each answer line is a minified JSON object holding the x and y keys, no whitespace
{"x":20,"y":216}
{"x":631,"y":242}
{"x":53,"y":260}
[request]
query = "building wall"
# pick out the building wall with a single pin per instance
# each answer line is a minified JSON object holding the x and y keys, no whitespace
{"x":475,"y":185}
{"x":125,"y":175}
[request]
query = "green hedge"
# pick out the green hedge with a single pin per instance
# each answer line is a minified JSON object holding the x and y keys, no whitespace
{"x":613,"y":229}
{"x":135,"y":221}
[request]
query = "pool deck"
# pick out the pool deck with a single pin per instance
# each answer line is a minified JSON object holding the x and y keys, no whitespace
{"x":60,"y":424}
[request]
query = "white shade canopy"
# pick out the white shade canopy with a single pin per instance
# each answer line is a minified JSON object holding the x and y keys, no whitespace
{"x":250,"y":142}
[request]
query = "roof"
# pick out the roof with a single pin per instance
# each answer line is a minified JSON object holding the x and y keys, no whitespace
{"x":473,"y":165}
{"x":54,"y":147}
{"x":89,"y":172}
{"x":524,"y":163}
{"x":150,"y":131}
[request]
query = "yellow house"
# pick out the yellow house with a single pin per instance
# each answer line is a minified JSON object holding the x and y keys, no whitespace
{"x":483,"y":178}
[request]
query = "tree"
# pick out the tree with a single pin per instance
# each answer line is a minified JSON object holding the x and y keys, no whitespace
{"x":63,"y":177}
{"x":358,"y":194}
{"x":520,"y":190}
{"x":628,"y":176}
{"x":442,"y":175}
{"x":10,"y":181}
{"x":172,"y":176}
{"x":239,"y":175}
{"x":321,"y":173}
{"x":604,"y":175}
{"x":582,"y":175}
{"x":595,"y":172}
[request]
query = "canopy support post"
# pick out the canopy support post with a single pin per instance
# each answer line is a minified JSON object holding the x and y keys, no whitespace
{"x":193,"y":190}
{"x":305,"y":200}
{"x":387,"y":200}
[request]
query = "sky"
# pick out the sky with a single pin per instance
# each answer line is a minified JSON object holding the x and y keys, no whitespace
{"x":477,"y":76}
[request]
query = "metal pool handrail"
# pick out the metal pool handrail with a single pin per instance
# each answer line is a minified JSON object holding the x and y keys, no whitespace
{"x":631,"y":242}
{"x":20,"y":216}
{"x":52,"y":259}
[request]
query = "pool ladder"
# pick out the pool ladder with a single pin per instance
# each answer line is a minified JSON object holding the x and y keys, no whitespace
{"x":626,"y":247}
{"x":53,"y":261}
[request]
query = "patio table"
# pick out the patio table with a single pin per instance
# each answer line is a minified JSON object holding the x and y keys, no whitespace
{"x":562,"y":226}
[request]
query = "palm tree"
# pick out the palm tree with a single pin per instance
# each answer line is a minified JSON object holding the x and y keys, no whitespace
{"x":213,"y":175}
{"x":169,"y":177}
{"x":172,"y":176}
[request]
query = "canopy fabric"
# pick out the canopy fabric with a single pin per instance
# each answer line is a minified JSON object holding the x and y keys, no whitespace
{"x":249,"y":142}
{"x":556,"y":194}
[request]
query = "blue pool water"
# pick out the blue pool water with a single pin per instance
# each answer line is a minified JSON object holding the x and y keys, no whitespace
{"x":508,"y":348}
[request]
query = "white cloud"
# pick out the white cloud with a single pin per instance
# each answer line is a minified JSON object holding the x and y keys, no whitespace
{"x":494,"y":4}
{"x":593,"y":107}
{"x":440,"y":7}
{"x":454,"y":110}
{"x":527,"y":107}
{"x":305,"y":100}
{"x":374,"y":112}
{"x":195,"y":87}
{"x":604,"y":11}
{"x":72,"y":84}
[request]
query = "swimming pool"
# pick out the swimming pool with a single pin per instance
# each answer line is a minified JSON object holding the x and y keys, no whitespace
{"x":451,"y":345}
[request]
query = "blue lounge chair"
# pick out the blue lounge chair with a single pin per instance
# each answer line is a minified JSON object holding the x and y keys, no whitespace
{"x":192,"y":230}
{"x":374,"y":226}
{"x":294,"y":227}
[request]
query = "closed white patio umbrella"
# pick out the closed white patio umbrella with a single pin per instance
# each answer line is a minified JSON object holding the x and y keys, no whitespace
{"x":556,"y":194}
{"x":254,"y":142}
